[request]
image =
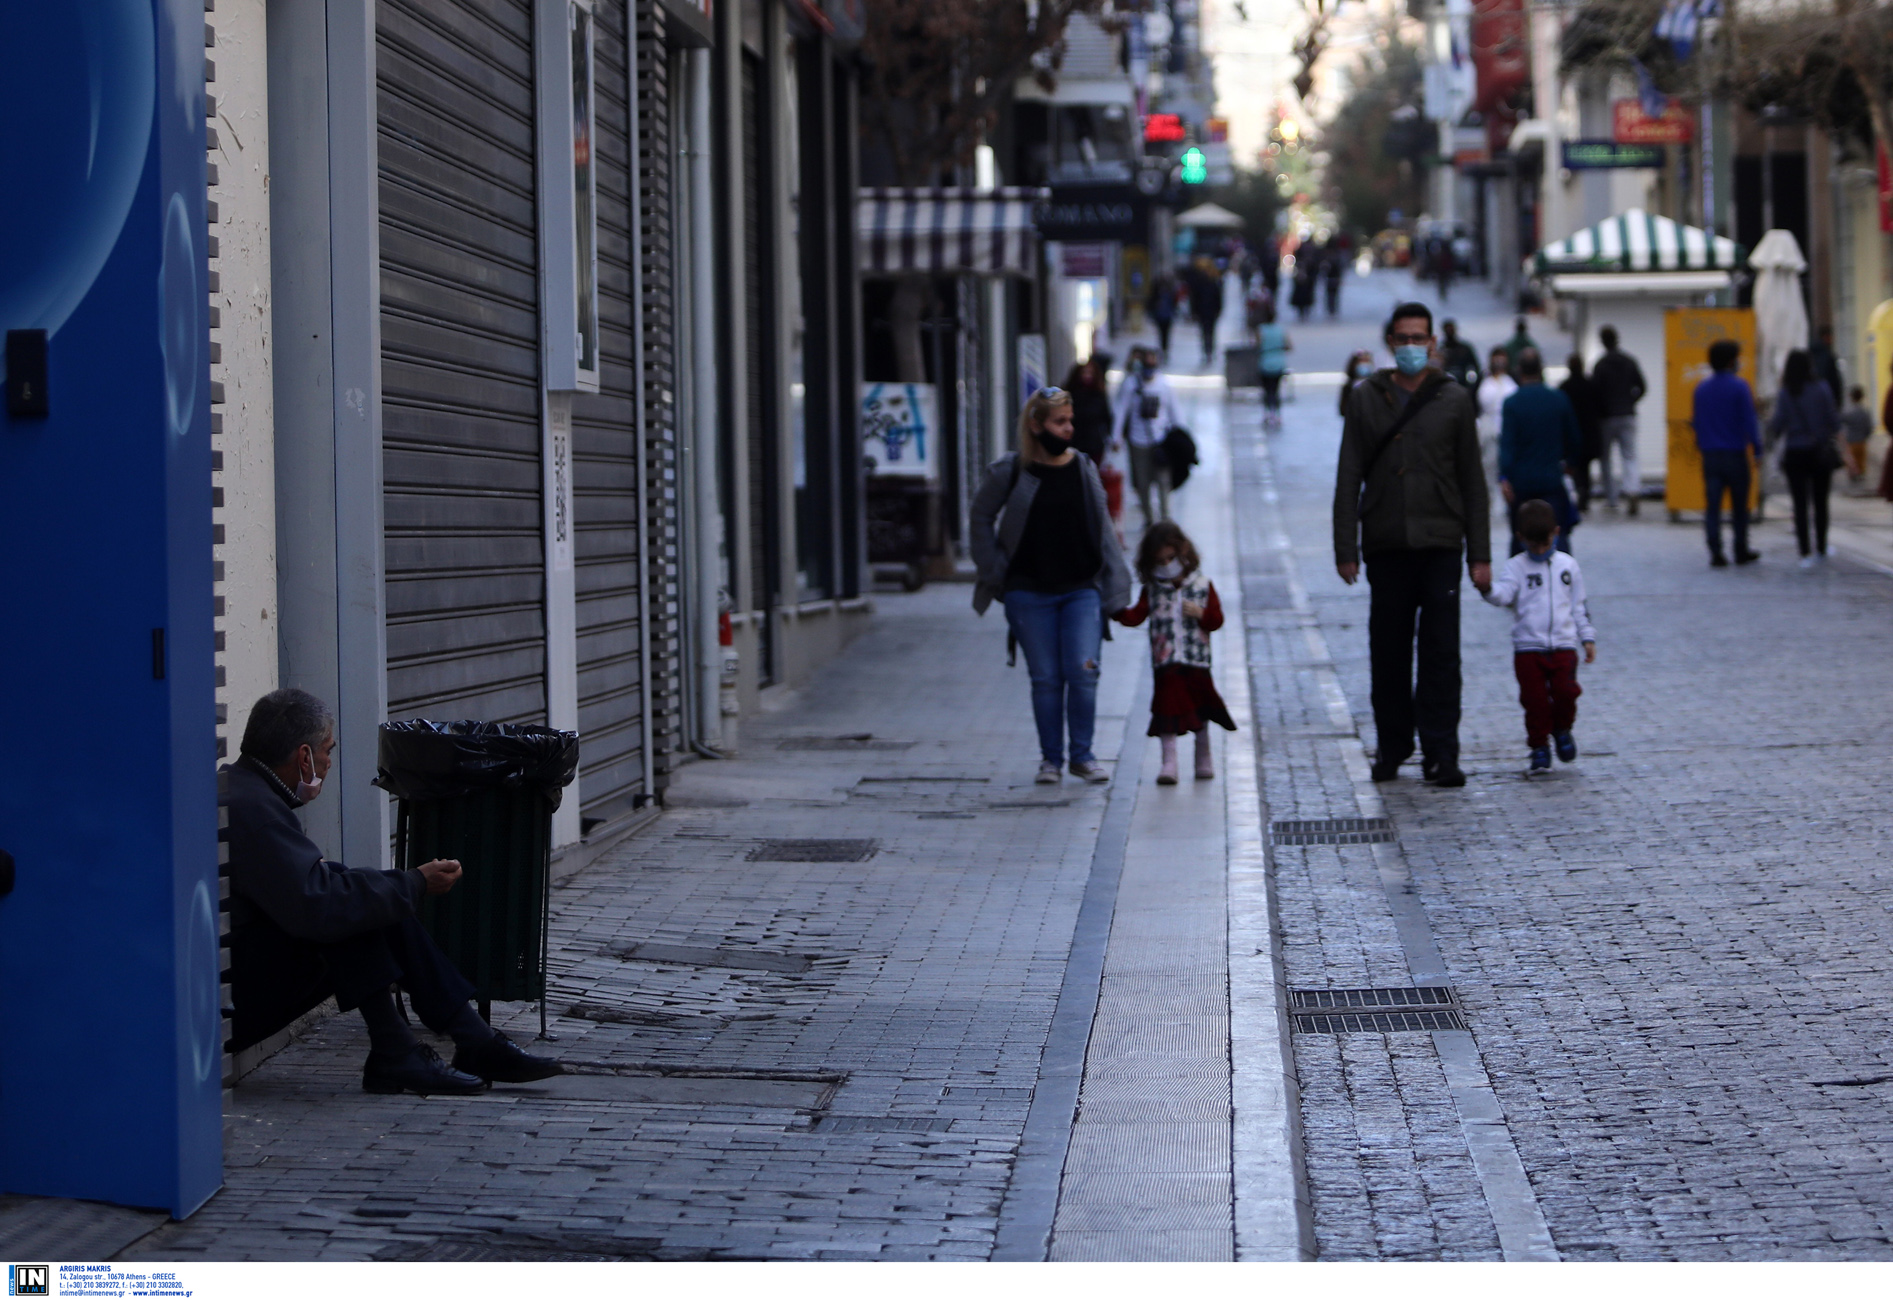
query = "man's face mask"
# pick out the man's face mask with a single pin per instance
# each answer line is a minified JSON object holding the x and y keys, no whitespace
{"x":308,"y":787}
{"x":1410,"y":358}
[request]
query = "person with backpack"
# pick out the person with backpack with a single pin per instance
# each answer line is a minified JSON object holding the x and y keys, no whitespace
{"x":1146,"y":412}
{"x":1044,"y":547}
{"x":1410,"y":497}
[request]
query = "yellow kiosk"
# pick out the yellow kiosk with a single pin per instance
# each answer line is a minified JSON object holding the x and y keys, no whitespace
{"x":1687,"y":334}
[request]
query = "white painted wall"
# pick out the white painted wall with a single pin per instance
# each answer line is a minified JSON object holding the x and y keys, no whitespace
{"x":248,"y":477}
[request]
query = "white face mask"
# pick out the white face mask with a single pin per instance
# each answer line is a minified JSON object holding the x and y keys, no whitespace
{"x":1169,"y":570}
{"x":308,"y":787}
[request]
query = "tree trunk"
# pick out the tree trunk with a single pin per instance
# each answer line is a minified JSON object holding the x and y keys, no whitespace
{"x":909,"y":305}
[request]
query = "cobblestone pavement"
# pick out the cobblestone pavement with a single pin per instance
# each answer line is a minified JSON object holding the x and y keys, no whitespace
{"x":785,"y":1059}
{"x":1673,"y":954}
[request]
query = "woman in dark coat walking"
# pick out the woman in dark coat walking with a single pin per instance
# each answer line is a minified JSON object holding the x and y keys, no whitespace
{"x":1806,"y":418}
{"x":1090,"y":408}
{"x":1590,"y":414}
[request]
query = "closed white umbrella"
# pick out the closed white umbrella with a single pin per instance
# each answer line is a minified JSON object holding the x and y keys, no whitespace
{"x":1781,"y":317}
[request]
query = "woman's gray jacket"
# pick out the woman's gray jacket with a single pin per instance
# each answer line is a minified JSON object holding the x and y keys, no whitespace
{"x":999,"y":509}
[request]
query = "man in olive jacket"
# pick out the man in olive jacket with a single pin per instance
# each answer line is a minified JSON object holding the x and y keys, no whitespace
{"x":1410,"y":496}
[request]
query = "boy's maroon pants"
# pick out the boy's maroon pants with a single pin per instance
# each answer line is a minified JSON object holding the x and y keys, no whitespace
{"x":1548,"y":688}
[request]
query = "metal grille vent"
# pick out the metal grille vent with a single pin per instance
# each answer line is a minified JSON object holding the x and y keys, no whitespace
{"x":1335,"y":830}
{"x":1373,"y":1011}
{"x":814,"y":851}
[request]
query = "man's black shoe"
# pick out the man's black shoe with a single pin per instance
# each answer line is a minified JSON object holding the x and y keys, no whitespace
{"x":422,"y":1071}
{"x":1385,"y":769}
{"x":499,"y":1060}
{"x":1718,"y":561}
{"x":1748,"y":557}
{"x":1447,"y":776}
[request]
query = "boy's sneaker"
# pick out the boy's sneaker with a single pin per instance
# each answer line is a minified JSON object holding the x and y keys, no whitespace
{"x":1091,"y":772}
{"x":1048,"y":774}
{"x":1540,"y":761}
{"x":1567,"y":746}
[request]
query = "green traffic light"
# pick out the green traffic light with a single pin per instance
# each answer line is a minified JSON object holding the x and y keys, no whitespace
{"x":1195,"y":168}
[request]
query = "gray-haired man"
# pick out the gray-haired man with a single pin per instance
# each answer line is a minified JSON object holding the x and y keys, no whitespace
{"x":303,"y":929}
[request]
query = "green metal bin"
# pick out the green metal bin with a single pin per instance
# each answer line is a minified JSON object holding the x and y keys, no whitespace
{"x":483,"y":794}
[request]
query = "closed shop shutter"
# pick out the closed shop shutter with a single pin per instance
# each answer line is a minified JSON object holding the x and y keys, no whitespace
{"x":610,"y":553}
{"x":460,"y":366}
{"x":761,"y":450}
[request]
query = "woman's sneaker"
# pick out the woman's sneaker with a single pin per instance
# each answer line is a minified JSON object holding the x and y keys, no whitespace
{"x":1567,"y":746}
{"x":1540,"y":761}
{"x":1048,"y":774}
{"x":1090,"y":772}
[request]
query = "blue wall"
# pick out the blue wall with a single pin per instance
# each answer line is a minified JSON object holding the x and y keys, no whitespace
{"x":110,"y":1039}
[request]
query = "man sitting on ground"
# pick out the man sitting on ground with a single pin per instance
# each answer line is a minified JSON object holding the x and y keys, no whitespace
{"x":304,"y":928}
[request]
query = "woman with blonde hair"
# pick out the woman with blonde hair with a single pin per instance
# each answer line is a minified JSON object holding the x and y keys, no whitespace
{"x":1044,"y":545}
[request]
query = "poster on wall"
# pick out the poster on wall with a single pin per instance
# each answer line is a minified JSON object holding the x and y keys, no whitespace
{"x":1031,"y":365}
{"x":900,"y":430}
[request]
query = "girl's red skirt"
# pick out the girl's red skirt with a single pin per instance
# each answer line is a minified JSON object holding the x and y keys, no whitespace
{"x":1183,"y":699}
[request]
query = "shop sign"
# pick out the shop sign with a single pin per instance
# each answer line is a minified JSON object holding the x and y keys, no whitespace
{"x":1082,"y":261}
{"x":1629,"y":124}
{"x":1102,"y":213}
{"x":1597,"y":155}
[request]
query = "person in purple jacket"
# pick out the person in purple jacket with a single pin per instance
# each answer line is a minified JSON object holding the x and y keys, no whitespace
{"x":1726,"y":430}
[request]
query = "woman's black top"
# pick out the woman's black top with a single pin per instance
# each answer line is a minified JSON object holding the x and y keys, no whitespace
{"x":1057,"y":553}
{"x":1090,"y":421}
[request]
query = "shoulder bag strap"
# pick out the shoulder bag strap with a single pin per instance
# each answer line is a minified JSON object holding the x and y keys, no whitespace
{"x":1412,"y":408}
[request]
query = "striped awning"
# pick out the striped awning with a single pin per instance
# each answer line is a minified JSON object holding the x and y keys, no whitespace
{"x":1637,"y":241}
{"x":949,"y":231}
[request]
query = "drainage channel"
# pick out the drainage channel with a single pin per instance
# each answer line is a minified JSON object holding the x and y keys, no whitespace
{"x":1516,"y":1215}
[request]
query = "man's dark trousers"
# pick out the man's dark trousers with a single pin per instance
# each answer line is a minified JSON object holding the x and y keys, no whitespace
{"x":1725,"y":471}
{"x":275,"y":977}
{"x":1405,"y":585}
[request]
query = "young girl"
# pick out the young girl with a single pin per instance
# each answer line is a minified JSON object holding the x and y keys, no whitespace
{"x":1183,"y":610}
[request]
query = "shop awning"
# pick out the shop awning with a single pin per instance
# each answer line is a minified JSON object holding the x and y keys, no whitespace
{"x":1637,"y":242}
{"x":948,"y":231}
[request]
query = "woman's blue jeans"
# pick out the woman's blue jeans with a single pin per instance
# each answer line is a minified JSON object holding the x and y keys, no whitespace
{"x":1062,"y":637}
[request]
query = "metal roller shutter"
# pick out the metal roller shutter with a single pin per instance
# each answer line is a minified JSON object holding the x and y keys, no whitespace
{"x":610,"y":553}
{"x":460,"y":365}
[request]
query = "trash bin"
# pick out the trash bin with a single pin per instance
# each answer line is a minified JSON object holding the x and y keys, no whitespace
{"x":482,"y":793}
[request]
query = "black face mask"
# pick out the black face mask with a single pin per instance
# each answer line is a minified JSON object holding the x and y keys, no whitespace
{"x":1053,"y":444}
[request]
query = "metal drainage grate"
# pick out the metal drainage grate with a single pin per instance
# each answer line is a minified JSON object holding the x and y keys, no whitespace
{"x":669,"y":954}
{"x":814,"y":851}
{"x":1335,"y":830}
{"x":845,"y":744}
{"x":881,"y":1124}
{"x":1373,"y":1011}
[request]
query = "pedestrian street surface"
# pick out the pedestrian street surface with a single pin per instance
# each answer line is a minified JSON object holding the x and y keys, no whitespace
{"x":866,"y":992}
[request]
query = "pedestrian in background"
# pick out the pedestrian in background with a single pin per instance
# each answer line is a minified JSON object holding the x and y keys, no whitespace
{"x":1856,"y":424}
{"x":1458,"y":358}
{"x":1520,"y":340}
{"x":1162,"y":308}
{"x":1206,"y":303}
{"x":1538,"y":439}
{"x":1826,"y":364}
{"x":1805,"y":420}
{"x":1550,"y":621}
{"x":1091,"y":422}
{"x":1497,"y":386}
{"x":1044,"y":546}
{"x":1618,"y":380}
{"x":1409,"y":495}
{"x":1182,"y":608}
{"x":1360,"y":367}
{"x":1727,"y":432}
{"x":1333,"y":264}
{"x":1302,"y":296}
{"x":1271,"y":364}
{"x":1146,"y":411}
{"x":1581,"y":392}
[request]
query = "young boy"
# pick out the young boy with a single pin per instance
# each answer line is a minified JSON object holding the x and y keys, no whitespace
{"x":1856,"y":423}
{"x":1545,"y":589}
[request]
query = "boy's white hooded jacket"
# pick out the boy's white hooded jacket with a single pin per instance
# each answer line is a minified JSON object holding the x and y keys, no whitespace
{"x":1546,"y":596}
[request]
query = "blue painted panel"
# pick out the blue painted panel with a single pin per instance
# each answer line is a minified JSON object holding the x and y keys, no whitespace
{"x":110,"y":1074}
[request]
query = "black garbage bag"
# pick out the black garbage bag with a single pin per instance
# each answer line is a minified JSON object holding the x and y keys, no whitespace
{"x":419,"y":759}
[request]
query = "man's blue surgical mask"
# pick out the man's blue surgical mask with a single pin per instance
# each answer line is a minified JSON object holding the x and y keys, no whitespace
{"x":1410,"y":358}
